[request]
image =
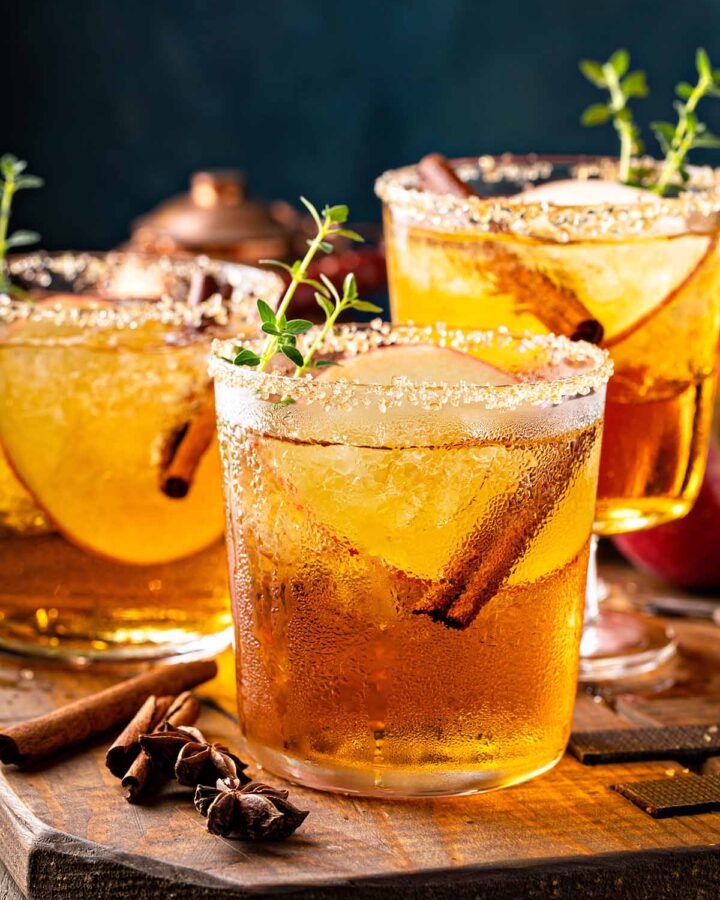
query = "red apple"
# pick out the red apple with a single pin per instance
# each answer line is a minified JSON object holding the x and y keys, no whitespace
{"x":686,"y":552}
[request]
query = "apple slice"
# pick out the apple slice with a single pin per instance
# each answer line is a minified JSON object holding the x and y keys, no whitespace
{"x":622,"y":283}
{"x":576,"y":192}
{"x":422,"y":363}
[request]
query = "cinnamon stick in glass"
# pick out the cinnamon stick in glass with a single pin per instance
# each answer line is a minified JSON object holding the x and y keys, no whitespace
{"x":69,"y":725}
{"x":493,"y":552}
{"x":184,"y":710}
{"x":557,"y":307}
{"x":178,"y":476}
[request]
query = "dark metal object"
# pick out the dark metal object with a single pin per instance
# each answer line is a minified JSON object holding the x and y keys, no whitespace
{"x":681,"y":795}
{"x":215,"y":218}
{"x":688,"y":743}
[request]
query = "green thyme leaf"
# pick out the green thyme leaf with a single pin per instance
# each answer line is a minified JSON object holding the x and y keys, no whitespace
{"x":702,"y":62}
{"x":298,"y":326}
{"x":325,"y":304}
{"x":277,"y":263}
{"x":337,"y":214}
{"x":352,"y":235}
{"x":325,"y":363}
{"x":593,"y":71}
{"x":267,"y":313}
{"x":350,"y":286}
{"x":22,"y":239}
{"x":663,"y":132}
{"x":708,"y":141}
{"x":314,"y":284}
{"x":365,"y":306}
{"x":330,"y":287}
{"x":28,"y":181}
{"x":270,"y":328}
{"x":293,"y":354}
{"x":684,"y":90}
{"x":313,"y":212}
{"x":620,"y":60}
{"x":246,"y":358}
{"x":597,"y":114}
{"x":11,"y":166}
{"x":635,"y":84}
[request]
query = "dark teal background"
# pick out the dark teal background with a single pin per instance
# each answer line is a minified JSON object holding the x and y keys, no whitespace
{"x":116,"y":102}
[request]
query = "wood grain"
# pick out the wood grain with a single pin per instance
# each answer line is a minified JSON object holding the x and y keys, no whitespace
{"x":66,"y":832}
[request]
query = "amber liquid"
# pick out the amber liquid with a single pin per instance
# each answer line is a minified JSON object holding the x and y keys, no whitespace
{"x":340,"y":685}
{"x":655,"y":461}
{"x":59,"y":599}
{"x":658,"y":301}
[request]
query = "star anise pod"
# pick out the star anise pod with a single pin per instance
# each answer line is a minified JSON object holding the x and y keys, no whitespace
{"x":184,"y":754}
{"x":251,"y":812}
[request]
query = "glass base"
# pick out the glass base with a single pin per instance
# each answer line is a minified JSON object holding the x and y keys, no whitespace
{"x":391,"y":782}
{"x":618,"y":644}
{"x":79,"y":653}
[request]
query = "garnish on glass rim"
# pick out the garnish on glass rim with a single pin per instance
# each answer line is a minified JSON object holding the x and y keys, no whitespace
{"x":282,"y":333}
{"x":676,"y":141}
{"x":13,"y":178}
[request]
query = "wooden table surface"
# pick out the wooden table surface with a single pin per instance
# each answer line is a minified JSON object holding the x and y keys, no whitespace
{"x":66,"y":832}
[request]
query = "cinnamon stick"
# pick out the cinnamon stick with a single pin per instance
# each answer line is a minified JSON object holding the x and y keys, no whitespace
{"x":557,"y":307}
{"x":126,"y":747}
{"x":203,"y":285}
{"x":494,"y":551}
{"x":184,"y":710}
{"x":69,"y":725}
{"x":177,"y":478}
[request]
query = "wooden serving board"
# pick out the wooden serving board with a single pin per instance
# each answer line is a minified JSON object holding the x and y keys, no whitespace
{"x":66,"y":833}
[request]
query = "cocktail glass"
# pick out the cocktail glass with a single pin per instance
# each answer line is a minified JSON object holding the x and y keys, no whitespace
{"x":111,"y":512}
{"x":641,"y":276}
{"x":408,"y":559}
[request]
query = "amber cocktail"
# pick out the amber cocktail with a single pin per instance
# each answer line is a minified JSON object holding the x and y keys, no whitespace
{"x":111,"y":514}
{"x":408,"y":555}
{"x":636,"y":273}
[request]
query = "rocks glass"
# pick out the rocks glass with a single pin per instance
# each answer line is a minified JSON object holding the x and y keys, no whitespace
{"x":408,"y":559}
{"x":111,"y":513}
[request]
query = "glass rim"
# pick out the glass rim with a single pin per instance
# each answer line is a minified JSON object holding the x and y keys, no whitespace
{"x":125,"y":311}
{"x":695,"y":207}
{"x":361,"y":337}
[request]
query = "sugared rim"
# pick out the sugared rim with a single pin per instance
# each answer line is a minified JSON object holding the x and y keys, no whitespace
{"x":355,"y":339}
{"x":694,"y":209}
{"x":86,"y":270}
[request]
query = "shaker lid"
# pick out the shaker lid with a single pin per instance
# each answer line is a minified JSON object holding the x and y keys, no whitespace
{"x":216,"y":212}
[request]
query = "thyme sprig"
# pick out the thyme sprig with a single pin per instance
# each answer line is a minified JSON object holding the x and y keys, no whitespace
{"x":622,"y":86}
{"x":13,"y":178}
{"x":676,"y":141}
{"x":689,"y":133}
{"x":282,"y":333}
